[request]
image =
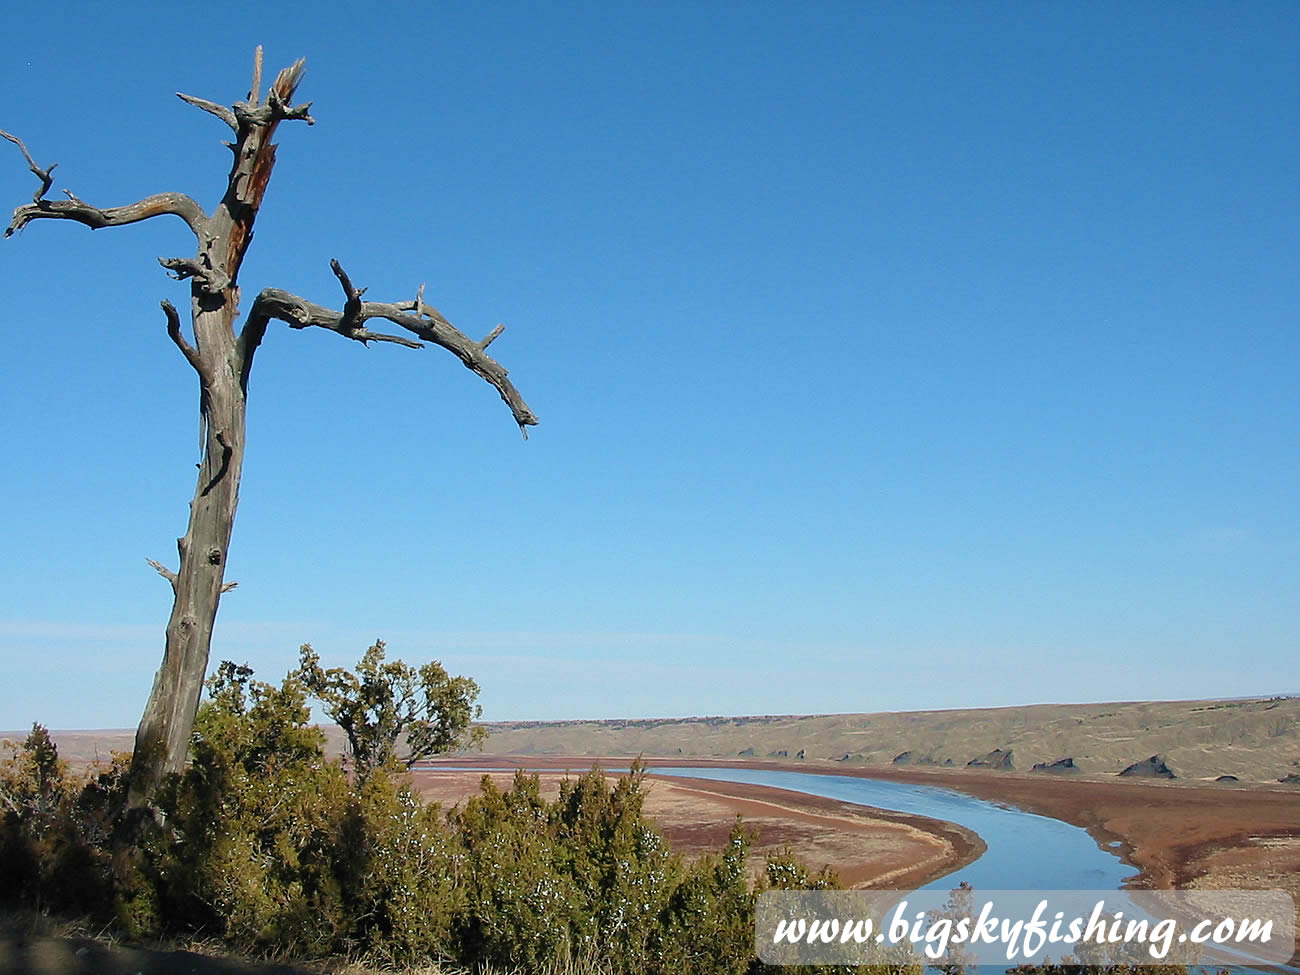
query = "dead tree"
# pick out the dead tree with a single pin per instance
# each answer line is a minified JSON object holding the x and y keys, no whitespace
{"x":223,"y":358}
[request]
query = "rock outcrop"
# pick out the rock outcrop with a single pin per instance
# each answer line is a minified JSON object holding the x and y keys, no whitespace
{"x":1060,"y":765}
{"x":911,"y":758}
{"x":997,"y":759}
{"x":1154,"y":767}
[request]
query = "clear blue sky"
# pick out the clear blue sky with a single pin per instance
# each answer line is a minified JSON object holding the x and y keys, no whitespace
{"x":888,"y":355}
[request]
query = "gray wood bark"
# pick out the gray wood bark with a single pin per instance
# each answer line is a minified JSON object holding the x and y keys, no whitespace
{"x":223,"y":359}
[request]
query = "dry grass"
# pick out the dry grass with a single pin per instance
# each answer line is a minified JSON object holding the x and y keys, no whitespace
{"x":1257,"y":740}
{"x":29,"y":927}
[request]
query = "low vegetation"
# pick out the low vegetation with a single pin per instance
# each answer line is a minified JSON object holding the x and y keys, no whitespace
{"x":276,"y":851}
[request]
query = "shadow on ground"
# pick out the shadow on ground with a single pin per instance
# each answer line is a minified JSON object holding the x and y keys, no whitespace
{"x":22,"y":954}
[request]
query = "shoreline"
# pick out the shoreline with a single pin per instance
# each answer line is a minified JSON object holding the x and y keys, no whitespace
{"x":957,"y":845}
{"x":1172,"y":834}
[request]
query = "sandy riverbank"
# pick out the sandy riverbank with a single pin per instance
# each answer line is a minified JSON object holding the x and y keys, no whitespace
{"x":866,"y":847}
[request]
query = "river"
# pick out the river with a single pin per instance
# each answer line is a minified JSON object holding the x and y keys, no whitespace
{"x":1025,"y":851}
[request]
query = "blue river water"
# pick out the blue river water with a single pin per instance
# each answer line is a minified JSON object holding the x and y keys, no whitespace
{"x":1025,"y":851}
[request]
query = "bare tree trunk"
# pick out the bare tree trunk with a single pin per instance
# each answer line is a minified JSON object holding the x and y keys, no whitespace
{"x":163,"y":738}
{"x":223,"y":361}
{"x":223,"y":364}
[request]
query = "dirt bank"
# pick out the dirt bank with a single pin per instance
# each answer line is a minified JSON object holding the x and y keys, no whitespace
{"x":866,"y":847}
{"x":1174,"y":834}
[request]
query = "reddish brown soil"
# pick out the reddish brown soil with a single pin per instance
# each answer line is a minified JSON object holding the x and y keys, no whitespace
{"x":865,"y":847}
{"x":1176,"y":835}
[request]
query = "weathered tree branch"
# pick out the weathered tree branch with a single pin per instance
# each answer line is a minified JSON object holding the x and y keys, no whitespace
{"x":427,"y":323}
{"x":351,"y":320}
{"x":163,"y":571}
{"x":172,"y":577}
{"x":43,"y":175}
{"x":220,"y":111}
{"x":432,"y":327}
{"x":253,"y":111}
{"x":301,"y":313}
{"x":212,"y":280}
{"x":254,"y":92}
{"x":82,"y":212}
{"x":278,"y":97}
{"x":273,"y":111}
{"x":177,"y":204}
{"x":174,"y":333}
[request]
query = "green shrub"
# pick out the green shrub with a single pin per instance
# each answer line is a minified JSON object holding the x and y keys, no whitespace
{"x":53,"y":830}
{"x":265,"y":844}
{"x":620,"y":866}
{"x":272,"y":847}
{"x":785,"y":871}
{"x":391,"y":712}
{"x":708,"y":925}
{"x":521,"y":903}
{"x":251,"y":826}
{"x":398,"y":867}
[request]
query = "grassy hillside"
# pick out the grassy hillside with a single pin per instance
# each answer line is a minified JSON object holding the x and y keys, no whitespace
{"x":1255,"y":740}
